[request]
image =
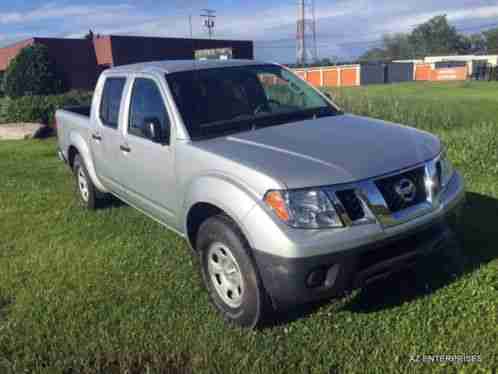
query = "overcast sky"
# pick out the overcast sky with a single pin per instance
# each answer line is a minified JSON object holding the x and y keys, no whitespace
{"x":345,"y":28}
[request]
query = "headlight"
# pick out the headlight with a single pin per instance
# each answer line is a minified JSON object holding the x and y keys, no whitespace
{"x":307,"y":209}
{"x":445,"y":169}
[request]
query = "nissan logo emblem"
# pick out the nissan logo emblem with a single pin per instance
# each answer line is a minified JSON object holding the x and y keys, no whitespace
{"x":406,"y":189}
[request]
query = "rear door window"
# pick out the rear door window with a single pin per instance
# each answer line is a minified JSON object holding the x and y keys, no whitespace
{"x":111,"y":101}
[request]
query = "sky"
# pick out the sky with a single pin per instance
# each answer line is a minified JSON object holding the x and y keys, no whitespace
{"x":345,"y":28}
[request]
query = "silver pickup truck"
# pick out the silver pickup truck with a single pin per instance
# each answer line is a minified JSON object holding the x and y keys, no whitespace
{"x":282,"y":197}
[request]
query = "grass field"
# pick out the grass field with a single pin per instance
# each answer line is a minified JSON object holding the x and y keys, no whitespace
{"x":112,"y":292}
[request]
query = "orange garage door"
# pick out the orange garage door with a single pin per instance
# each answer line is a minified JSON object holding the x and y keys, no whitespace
{"x":330,"y":77}
{"x":423,"y":72}
{"x":314,"y":77}
{"x":349,"y":77}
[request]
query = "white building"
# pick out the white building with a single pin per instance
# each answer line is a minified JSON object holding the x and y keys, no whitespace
{"x":491,"y":59}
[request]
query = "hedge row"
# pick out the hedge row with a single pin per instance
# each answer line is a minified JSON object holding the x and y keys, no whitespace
{"x":40,"y":109}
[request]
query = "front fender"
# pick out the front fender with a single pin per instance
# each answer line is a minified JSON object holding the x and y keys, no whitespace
{"x":76,"y":140}
{"x":229,"y":195}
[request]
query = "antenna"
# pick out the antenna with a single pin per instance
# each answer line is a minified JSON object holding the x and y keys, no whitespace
{"x":306,"y":50}
{"x":209,"y":15}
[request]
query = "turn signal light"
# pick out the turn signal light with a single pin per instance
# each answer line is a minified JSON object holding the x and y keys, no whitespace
{"x":275,"y":200}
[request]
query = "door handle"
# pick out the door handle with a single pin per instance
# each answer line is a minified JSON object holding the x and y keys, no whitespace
{"x":96,"y":137}
{"x":125,"y":148}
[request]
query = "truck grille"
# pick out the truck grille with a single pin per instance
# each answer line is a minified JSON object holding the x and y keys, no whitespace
{"x":439,"y":174}
{"x":351,"y":204}
{"x":394,"y":200}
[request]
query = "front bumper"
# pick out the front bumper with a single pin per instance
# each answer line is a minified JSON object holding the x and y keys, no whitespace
{"x":297,"y":280}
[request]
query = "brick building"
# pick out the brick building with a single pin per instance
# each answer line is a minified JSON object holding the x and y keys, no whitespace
{"x":81,"y":60}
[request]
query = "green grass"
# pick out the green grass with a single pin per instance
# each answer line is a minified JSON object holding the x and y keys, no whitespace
{"x":445,"y":103}
{"x":113,"y":292}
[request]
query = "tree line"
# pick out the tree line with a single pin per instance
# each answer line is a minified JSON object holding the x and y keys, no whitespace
{"x":434,"y":37}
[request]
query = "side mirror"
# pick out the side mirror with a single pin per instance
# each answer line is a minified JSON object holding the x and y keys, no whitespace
{"x":154,"y":131}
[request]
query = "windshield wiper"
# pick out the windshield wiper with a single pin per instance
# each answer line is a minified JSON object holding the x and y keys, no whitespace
{"x":245,"y":122}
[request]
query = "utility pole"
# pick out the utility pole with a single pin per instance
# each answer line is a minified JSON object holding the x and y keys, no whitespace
{"x":190,"y":25}
{"x":306,"y":32}
{"x":209,"y":16}
{"x":301,"y":35}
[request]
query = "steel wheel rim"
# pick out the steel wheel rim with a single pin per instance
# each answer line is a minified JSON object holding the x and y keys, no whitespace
{"x":225,"y":275}
{"x":83,"y":185}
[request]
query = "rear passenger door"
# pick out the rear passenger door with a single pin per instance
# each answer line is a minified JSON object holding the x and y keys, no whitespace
{"x":149,"y":164}
{"x":107,"y":136}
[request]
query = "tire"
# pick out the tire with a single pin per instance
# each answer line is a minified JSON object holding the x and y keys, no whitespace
{"x":85,"y":189}
{"x":229,"y":273}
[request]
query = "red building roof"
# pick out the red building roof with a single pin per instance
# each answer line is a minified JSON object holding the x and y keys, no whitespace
{"x":9,"y":52}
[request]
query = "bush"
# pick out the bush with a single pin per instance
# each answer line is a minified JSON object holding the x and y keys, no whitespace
{"x":32,"y":72}
{"x":42,"y":108}
{"x":3,"y":110}
{"x":2,"y":77}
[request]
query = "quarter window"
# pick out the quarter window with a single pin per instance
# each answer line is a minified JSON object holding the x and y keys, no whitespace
{"x":146,"y":103}
{"x":111,"y":101}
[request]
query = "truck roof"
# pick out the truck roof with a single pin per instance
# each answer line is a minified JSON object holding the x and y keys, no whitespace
{"x":174,"y":66}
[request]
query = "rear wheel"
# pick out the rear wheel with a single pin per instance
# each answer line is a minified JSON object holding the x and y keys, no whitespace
{"x":85,"y":189}
{"x":229,"y":273}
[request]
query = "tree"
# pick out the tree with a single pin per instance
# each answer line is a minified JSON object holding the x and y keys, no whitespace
{"x":397,"y":46}
{"x":491,"y":37}
{"x":2,"y":76}
{"x":475,"y":43}
{"x":324,"y":62}
{"x":32,"y":72}
{"x":435,"y":37}
{"x":374,"y":54}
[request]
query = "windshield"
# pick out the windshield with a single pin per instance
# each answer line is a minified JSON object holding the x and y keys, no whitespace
{"x":215,"y":102}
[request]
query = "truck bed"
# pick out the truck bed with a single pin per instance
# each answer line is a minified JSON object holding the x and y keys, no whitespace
{"x":73,"y":123}
{"x":82,"y":110}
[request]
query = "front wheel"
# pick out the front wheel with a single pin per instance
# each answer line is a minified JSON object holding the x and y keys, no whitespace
{"x":229,"y":273}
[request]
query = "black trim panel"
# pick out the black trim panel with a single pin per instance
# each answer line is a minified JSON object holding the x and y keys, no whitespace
{"x":285,"y":278}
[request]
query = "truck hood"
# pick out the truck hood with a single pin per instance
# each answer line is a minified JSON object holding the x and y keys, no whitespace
{"x":327,"y":151}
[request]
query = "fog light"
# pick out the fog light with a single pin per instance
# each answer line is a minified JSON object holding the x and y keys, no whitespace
{"x":332,"y":274}
{"x":316,"y":278}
